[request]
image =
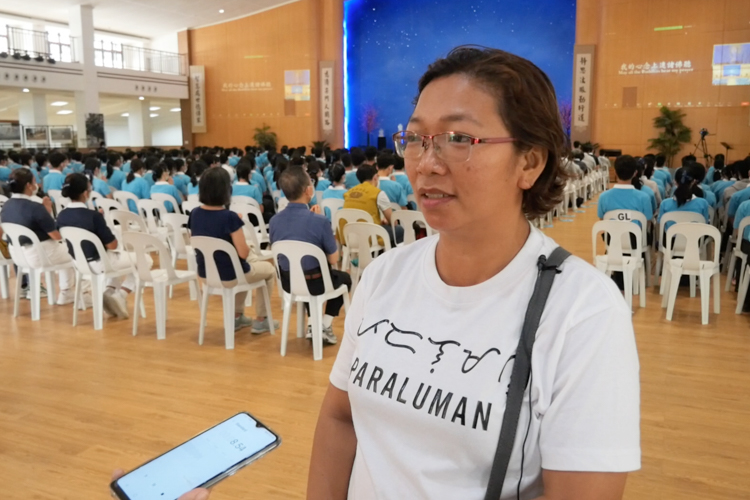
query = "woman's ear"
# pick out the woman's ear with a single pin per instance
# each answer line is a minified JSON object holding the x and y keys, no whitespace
{"x":531,"y":165}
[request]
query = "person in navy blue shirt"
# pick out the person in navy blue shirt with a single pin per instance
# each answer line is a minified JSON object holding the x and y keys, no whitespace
{"x":212,"y":219}
{"x":299,"y":223}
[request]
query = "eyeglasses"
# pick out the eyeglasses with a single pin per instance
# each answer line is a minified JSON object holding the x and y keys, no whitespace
{"x":448,"y":146}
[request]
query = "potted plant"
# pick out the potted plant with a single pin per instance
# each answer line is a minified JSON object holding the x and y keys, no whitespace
{"x":323,"y":145}
{"x":264,"y":137}
{"x":673,"y":135}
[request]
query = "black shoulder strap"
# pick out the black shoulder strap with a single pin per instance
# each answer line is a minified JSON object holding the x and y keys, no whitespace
{"x":549,"y":267}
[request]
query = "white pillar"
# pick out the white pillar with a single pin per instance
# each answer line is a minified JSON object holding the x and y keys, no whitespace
{"x":32,"y":109}
{"x":139,"y":124}
{"x":81,"y":19}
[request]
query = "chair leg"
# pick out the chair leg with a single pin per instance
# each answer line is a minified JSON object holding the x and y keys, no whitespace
{"x":642,"y":283}
{"x":730,"y":272}
{"x":300,"y":320}
{"x":204,"y":310}
{"x":160,"y":305}
{"x":666,"y":280}
{"x":316,"y":311}
{"x":705,"y":284}
{"x":17,"y":298}
{"x":77,"y":298}
{"x":287,"y":308}
{"x":742,"y":294}
{"x":267,"y":299}
{"x":673,"y":287}
{"x":4,"y":283}
{"x":138,"y":304}
{"x":743,"y":262}
{"x":647,"y":262}
{"x":627,"y":275}
{"x":35,"y":284}
{"x":50,"y":278}
{"x":228,"y":299}
{"x":717,"y":294}
{"x":97,"y":294}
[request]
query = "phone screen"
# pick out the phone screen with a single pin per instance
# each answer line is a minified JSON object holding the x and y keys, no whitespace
{"x":195,"y":462}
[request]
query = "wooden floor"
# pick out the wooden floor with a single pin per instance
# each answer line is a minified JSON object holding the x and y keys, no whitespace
{"x":76,"y":403}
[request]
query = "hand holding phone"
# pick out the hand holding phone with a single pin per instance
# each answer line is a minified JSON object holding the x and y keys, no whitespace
{"x":213,"y":455}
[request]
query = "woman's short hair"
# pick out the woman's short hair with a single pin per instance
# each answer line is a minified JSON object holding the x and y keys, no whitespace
{"x":215,"y":188}
{"x":526,"y":103}
{"x":19,"y":179}
{"x":293,"y":181}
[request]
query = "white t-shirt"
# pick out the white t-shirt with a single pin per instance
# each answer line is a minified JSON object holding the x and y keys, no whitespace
{"x":426,"y":366}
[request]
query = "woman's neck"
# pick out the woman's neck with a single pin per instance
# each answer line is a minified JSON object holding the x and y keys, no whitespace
{"x":493,"y":246}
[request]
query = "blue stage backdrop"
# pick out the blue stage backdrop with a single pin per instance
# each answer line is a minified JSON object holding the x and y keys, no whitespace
{"x":389,"y":44}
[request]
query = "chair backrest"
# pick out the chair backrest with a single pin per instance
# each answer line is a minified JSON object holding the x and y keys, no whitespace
{"x":128,"y":221}
{"x":177,"y":222}
{"x":330,"y":206}
{"x":346,"y":216}
{"x":694,"y":233}
{"x":619,"y":233}
{"x":14,"y":233}
{"x":3,"y":199}
{"x":246,"y":211}
{"x":411,"y":198}
{"x":194,"y":197}
{"x":407,"y":219}
{"x":142,"y":244}
{"x":395,"y":206}
{"x":106,"y":204}
{"x":744,"y":223}
{"x":208,"y":246}
{"x":282,"y":204}
{"x":163,"y":198}
{"x":54,"y":193}
{"x":75,"y":236}
{"x":295,"y":251}
{"x":248,"y":200}
{"x":93,"y":195}
{"x":362,"y":237}
{"x":123,"y":197}
{"x":151,"y":212}
{"x":679,"y":217}
{"x":190,"y":205}
{"x":251,"y":236}
{"x":276,"y":195}
{"x":629,"y":216}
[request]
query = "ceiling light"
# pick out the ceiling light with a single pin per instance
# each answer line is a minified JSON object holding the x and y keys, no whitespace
{"x":154,"y":108}
{"x":25,"y":90}
{"x":154,"y":115}
{"x":125,"y":115}
{"x":140,"y":98}
{"x":175,"y":110}
{"x":221,"y":11}
{"x":58,"y":103}
{"x":64,"y":112}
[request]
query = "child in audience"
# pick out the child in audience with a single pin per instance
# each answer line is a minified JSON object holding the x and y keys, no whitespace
{"x":399,"y":175}
{"x":393,"y":189}
{"x":5,"y":170}
{"x":647,"y":174}
{"x":214,"y":220}
{"x":243,"y":186}
{"x":709,"y":195}
{"x":26,"y":160}
{"x":623,"y":195}
{"x":92,"y":170}
{"x":136,"y":184}
{"x":163,"y":185}
{"x":54,"y":178}
{"x":637,"y":183}
{"x":115,"y":177}
{"x":78,"y":188}
{"x":180,"y":178}
{"x":196,"y":171}
{"x":368,"y":197}
{"x":358,"y":159}
{"x":686,"y":196}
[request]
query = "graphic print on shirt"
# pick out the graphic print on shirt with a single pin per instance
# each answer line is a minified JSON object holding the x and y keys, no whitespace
{"x":421,"y":394}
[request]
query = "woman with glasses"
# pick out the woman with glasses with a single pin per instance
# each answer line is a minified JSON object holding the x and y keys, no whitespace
{"x":418,"y":389}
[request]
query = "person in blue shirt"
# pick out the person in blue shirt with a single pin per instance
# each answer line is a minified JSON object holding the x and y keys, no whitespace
{"x":42,"y":164}
{"x":163,"y":185}
{"x":623,"y":195}
{"x":728,"y":177}
{"x":686,"y":196}
{"x":115,"y":176}
{"x":661,"y":173}
{"x":26,"y":160}
{"x":323,"y":181}
{"x":358,"y":158}
{"x":337,"y":189}
{"x":196,"y":172}
{"x":392,"y":189}
{"x":243,"y":186}
{"x":136,"y":184}
{"x":76,"y":162}
{"x":92,"y":169}
{"x":181,"y":179}
{"x":148,"y":174}
{"x":257,"y":178}
{"x":400,"y":176}
{"x":212,"y":219}
{"x":55,"y":179}
{"x":5,"y":170}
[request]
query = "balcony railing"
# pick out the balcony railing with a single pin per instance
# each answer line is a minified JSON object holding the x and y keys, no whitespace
{"x":29,"y":44}
{"x":116,"y":55}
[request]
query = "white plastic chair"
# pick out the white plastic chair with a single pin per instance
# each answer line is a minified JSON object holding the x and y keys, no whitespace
{"x":59,"y":200}
{"x":105,"y":204}
{"x":14,"y":233}
{"x":644,"y":250}
{"x":163,"y":198}
{"x":91,"y":203}
{"x":193,"y":197}
{"x":678,"y":248}
{"x":123,"y":197}
{"x":214,"y":286}
{"x":190,"y":205}
{"x":120,"y":221}
{"x":362,"y":239}
{"x":340,"y":220}
{"x":179,"y":247}
{"x":159,"y":279}
{"x":332,"y":204}
{"x":247,"y":200}
{"x":76,"y":236}
{"x":151,"y":212}
{"x":737,"y":253}
{"x":3,"y":199}
{"x":282,"y":204}
{"x":619,"y":233}
{"x":246,"y":210}
{"x":407,"y":219}
{"x":5,"y":266}
{"x":294,"y":251}
{"x":691,"y":264}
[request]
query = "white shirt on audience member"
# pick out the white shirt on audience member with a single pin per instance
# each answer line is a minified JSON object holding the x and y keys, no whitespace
{"x":427,"y":366}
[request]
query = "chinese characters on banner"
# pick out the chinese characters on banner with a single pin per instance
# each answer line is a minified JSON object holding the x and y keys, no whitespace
{"x":246,"y":87}
{"x":582,"y":89}
{"x":198,"y":98}
{"x":326,"y":96}
{"x":656,"y":68}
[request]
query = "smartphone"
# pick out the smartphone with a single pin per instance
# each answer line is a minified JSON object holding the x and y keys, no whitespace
{"x":201,"y":462}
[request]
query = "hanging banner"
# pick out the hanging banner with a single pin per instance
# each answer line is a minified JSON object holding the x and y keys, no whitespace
{"x":198,"y":99}
{"x":583,"y":71}
{"x":326,"y":97}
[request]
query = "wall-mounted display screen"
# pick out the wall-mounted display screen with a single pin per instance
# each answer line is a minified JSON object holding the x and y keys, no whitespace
{"x":731,"y":64}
